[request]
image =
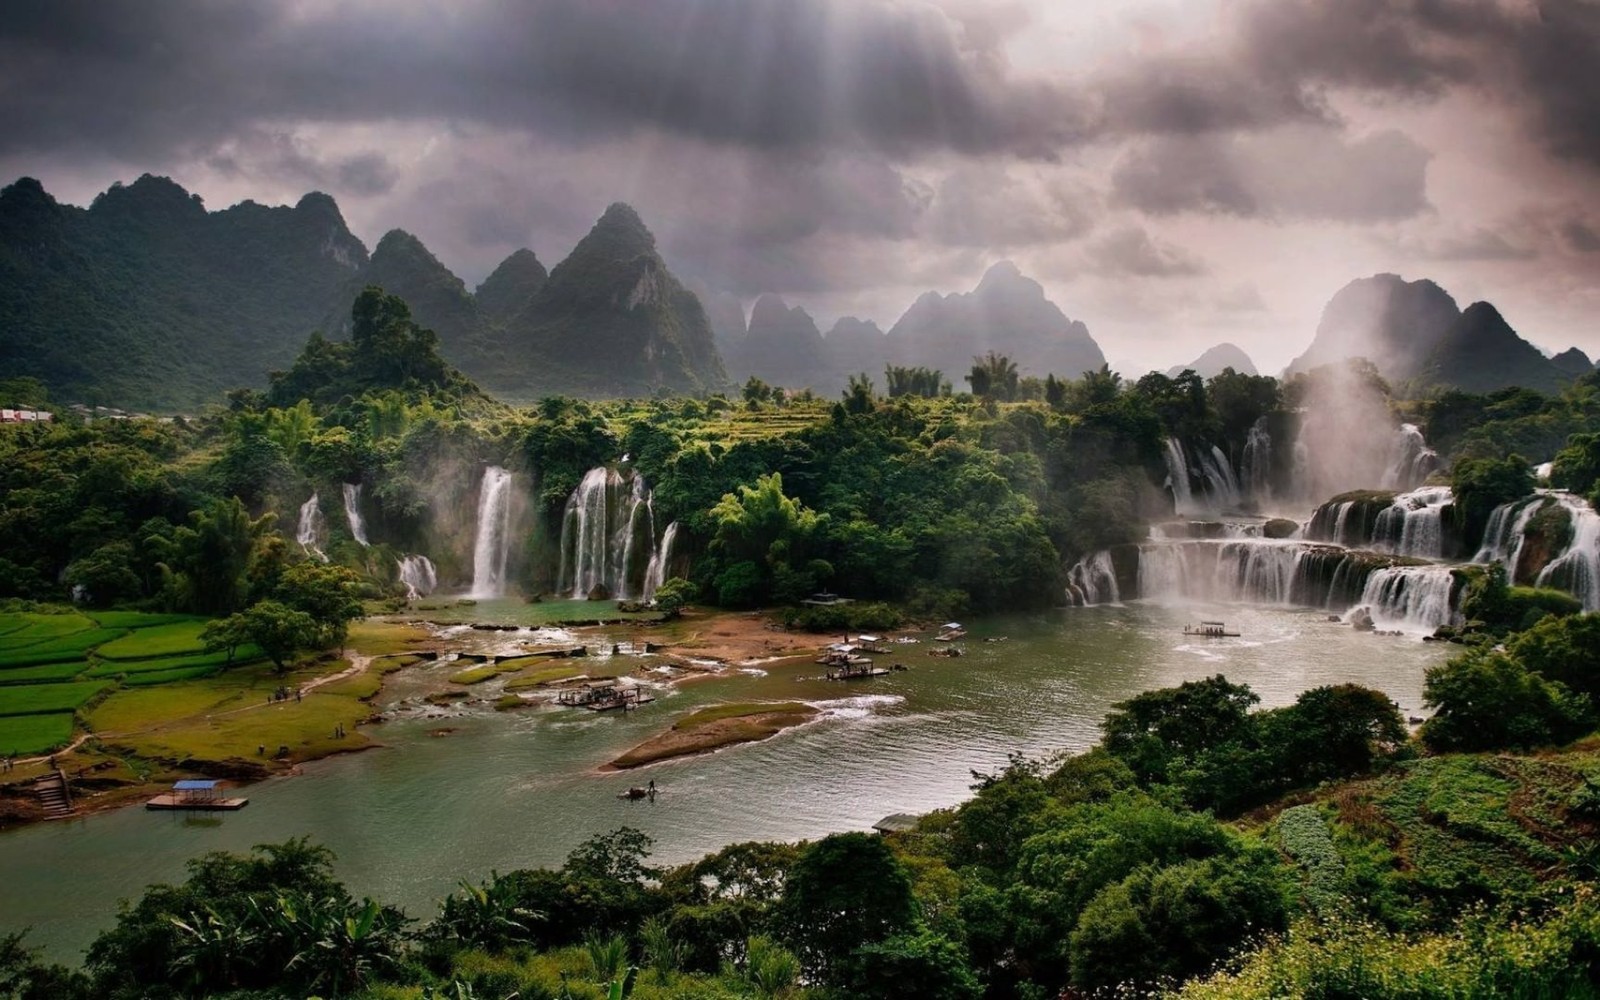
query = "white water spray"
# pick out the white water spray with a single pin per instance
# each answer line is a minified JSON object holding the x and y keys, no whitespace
{"x":491,"y":549}
{"x":418,"y":575}
{"x":306,"y":531}
{"x":352,"y":513}
{"x":1577,"y":569}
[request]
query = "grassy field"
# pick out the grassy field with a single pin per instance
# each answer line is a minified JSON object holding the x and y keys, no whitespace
{"x":24,"y":734}
{"x":172,"y":639}
{"x":41,"y":699}
{"x":151,"y":681}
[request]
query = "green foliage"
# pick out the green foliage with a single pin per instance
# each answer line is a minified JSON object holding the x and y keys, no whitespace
{"x":1577,"y":466}
{"x":764,"y":537}
{"x":1564,"y":649}
{"x":279,"y":631}
{"x":674,"y":595}
{"x":1501,"y":609}
{"x":993,"y":376}
{"x":207,"y":564}
{"x":1306,"y":839}
{"x":845,"y":891}
{"x":1480,"y":485}
{"x":1486,"y":700}
{"x":912,"y":965}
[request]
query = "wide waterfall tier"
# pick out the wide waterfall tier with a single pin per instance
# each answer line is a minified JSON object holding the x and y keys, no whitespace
{"x":418,"y":575}
{"x":1412,"y":598}
{"x":609,"y":544}
{"x":1407,"y":524}
{"x":491,"y":549}
{"x":1250,"y":571}
{"x":308,"y":532}
{"x":352,"y":513}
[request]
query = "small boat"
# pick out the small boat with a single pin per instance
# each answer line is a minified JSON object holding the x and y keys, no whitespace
{"x":1210,"y":630}
{"x":635,"y":793}
{"x":947,"y":651}
{"x":950,"y":632}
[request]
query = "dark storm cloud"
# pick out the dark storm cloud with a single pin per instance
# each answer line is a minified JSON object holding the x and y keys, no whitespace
{"x":1580,"y":236}
{"x":1538,"y":57}
{"x":131,"y":78}
{"x":279,"y":156}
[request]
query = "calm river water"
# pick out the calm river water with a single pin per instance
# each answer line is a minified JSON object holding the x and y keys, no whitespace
{"x":515,"y":790}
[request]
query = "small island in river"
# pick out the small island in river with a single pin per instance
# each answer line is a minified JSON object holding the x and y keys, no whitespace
{"x":718,"y":726}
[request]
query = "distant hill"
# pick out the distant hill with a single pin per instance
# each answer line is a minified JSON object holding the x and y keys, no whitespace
{"x":145,"y":299}
{"x":783,"y":346}
{"x":1007,"y":313}
{"x":1573,"y":361}
{"x":1418,"y":337}
{"x":1214,"y":360}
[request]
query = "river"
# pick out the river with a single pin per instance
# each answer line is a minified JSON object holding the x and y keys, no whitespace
{"x":510,"y":790}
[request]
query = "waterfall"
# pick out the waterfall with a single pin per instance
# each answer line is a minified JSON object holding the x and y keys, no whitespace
{"x":1219,"y":489}
{"x":1254,"y":571}
{"x":1093,"y":581}
{"x":1411,"y":598}
{"x":656,"y":574}
{"x":1414,"y":524}
{"x":1506,"y":532}
{"x":1577,"y":569}
{"x":1410,"y":460}
{"x":492,"y":547}
{"x":352,"y":513}
{"x":1256,"y":463}
{"x":419,"y":576}
{"x":306,"y":531}
{"x":1178,"y":478}
{"x":608,"y":536}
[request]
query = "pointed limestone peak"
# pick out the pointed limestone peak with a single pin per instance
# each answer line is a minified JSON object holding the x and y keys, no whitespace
{"x":1573,"y":361}
{"x":621,"y":229}
{"x":316,"y":204}
{"x":511,"y":286}
{"x":1215,"y":359}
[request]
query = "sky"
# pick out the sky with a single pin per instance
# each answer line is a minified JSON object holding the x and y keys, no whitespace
{"x":1175,"y":174}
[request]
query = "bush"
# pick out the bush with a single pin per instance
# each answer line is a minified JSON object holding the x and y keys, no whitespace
{"x":1485,"y":700}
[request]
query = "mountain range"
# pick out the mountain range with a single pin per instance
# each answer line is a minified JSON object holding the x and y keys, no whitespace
{"x":1418,"y":338}
{"x":147,"y":299}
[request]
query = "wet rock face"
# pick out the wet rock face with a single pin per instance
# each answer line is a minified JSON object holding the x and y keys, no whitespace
{"x":1547,"y":536}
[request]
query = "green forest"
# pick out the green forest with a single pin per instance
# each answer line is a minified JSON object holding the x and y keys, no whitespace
{"x":1205,"y":848}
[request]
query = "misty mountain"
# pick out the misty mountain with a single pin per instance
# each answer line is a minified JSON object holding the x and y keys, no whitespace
{"x":504,"y":292}
{"x":439,"y":300}
{"x":1007,"y":313}
{"x":1417,"y":336}
{"x":783,"y":346}
{"x":610,"y":320}
{"x":1214,"y":360}
{"x":147,"y":299}
{"x":853,"y":346}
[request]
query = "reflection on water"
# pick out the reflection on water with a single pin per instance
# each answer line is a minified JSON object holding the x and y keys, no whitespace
{"x":508,"y":790}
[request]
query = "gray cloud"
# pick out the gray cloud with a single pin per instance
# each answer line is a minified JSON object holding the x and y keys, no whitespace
{"x":1130,"y":250}
{"x":1580,"y":236}
{"x":130,"y":78}
{"x":1295,"y":172}
{"x":278,"y":156}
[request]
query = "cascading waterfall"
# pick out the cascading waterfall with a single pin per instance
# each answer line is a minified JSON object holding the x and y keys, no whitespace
{"x":1255,"y":571}
{"x":1414,"y":524}
{"x":1178,"y":478}
{"x":1410,"y":460}
{"x":1506,"y":532}
{"x":1256,"y":471}
{"x":608,"y":538}
{"x":492,"y":548}
{"x":352,"y":513}
{"x":307,"y":530}
{"x":1093,"y":580}
{"x":1577,"y":569}
{"x":419,"y":576}
{"x":660,"y":562}
{"x":1411,"y":598}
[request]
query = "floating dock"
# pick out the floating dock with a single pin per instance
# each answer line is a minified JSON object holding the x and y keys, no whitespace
{"x":196,"y":795}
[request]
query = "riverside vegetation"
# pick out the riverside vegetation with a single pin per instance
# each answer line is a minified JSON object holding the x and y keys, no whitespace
{"x":1197,"y":829}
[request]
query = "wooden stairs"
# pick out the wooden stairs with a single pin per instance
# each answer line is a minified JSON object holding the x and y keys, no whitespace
{"x":54,"y":795}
